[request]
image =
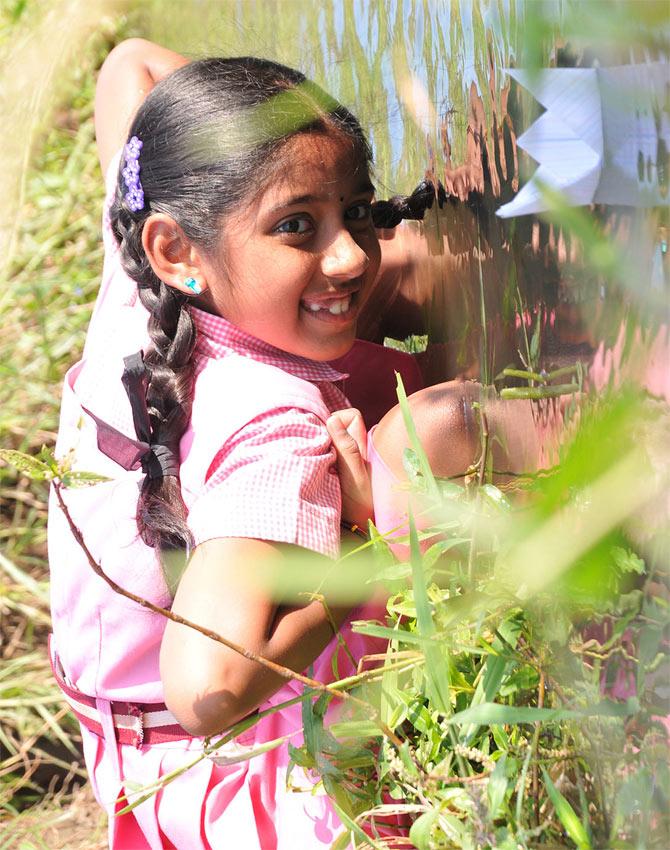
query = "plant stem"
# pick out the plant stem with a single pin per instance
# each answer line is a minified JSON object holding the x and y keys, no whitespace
{"x":522,"y":790}
{"x":526,"y":375}
{"x":481,"y":475}
{"x":533,"y":747}
{"x":539,"y":392}
{"x":319,"y":597}
{"x":484,"y":356}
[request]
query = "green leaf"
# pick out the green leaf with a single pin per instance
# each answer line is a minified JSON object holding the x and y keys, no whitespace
{"x":436,"y":669}
{"x":248,"y":753}
{"x":567,"y":815}
{"x":368,"y":841}
{"x":460,"y":608}
{"x":524,"y":679}
{"x":649,"y":644}
{"x":336,"y":791}
{"x":392,"y":572}
{"x":438,"y":549}
{"x":383,"y":557}
{"x":343,"y":841}
{"x":495,"y":668}
{"x":362,"y":627}
{"x":496,"y":497}
{"x":300,"y":756}
{"x":83,"y":479}
{"x":497,"y":786}
{"x":395,"y":344}
{"x":500,"y":737}
{"x":35,"y":469}
{"x":420,"y":718}
{"x":355,"y":729}
{"x":627,"y":561}
{"x":449,"y":489}
{"x":312,"y":722}
{"x":411,"y":465}
{"x":406,"y":759}
{"x":493,"y":713}
{"x":422,"y":460}
{"x":535,"y":340}
{"x":421,"y":829}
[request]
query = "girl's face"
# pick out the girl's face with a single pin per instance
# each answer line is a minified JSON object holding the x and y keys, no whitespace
{"x":293,"y":268}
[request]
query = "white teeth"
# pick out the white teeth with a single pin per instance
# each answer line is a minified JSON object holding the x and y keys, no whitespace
{"x":335,"y":307}
{"x":338,"y":307}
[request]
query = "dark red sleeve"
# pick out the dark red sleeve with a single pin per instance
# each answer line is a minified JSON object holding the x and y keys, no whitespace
{"x":371,"y":385}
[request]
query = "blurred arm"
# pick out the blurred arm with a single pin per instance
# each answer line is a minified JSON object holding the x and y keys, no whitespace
{"x":209,"y":687}
{"x":127,"y":76}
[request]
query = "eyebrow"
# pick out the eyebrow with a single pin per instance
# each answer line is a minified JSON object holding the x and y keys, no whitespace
{"x":361,"y":189}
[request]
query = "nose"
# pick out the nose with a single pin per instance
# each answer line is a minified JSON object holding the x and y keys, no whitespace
{"x":344,"y":258}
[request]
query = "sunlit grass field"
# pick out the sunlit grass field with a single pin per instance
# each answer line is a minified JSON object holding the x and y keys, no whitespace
{"x":49,"y":217}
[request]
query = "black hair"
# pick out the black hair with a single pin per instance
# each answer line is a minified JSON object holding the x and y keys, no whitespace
{"x":211,"y":133}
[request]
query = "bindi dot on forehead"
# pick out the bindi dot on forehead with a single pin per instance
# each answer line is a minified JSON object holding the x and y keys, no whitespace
{"x":341,"y":198}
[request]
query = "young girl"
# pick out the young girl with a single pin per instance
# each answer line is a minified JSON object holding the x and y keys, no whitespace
{"x":239,"y":248}
{"x":239,"y":251}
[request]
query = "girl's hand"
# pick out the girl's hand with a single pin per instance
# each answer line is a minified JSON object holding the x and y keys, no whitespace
{"x":349,"y":435}
{"x":127,"y":76}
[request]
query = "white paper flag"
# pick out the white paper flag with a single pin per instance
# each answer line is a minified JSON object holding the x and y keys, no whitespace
{"x":604,"y":138}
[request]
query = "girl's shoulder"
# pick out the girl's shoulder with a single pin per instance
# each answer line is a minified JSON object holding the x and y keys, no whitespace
{"x":242,"y":388}
{"x":234,"y":392}
{"x":257,"y":411}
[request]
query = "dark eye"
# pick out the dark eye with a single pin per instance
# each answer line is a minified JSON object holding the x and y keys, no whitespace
{"x":359,"y":212}
{"x":294,"y":225}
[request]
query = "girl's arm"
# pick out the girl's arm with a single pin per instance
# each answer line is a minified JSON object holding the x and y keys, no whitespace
{"x":127,"y":76}
{"x":209,"y":687}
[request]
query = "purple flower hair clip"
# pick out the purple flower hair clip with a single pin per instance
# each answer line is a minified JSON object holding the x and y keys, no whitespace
{"x":134,"y":197}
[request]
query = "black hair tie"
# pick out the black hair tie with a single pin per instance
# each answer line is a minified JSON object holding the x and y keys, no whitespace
{"x":156,"y":459}
{"x":413,"y":207}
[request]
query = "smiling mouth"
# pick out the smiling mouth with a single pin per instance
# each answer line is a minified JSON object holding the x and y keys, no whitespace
{"x":333,"y":309}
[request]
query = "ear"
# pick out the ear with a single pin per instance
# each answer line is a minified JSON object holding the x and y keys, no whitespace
{"x":173,"y":258}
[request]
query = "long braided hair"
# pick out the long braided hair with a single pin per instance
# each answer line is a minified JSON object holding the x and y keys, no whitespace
{"x":210,"y":132}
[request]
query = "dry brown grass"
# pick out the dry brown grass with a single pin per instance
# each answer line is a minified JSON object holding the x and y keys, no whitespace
{"x":72,"y":822}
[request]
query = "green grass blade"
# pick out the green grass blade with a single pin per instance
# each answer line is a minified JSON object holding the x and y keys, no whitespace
{"x":436,"y":669}
{"x":495,"y":668}
{"x":567,"y":815}
{"x":424,"y":466}
{"x":421,"y":829}
{"x":22,"y":578}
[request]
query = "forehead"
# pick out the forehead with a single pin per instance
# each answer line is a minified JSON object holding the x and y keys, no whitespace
{"x":316,"y":164}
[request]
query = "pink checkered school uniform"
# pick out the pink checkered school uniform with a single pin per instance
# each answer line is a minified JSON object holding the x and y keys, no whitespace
{"x":256,"y":461}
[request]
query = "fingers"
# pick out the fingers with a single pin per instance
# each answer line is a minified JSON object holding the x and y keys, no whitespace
{"x":345,"y":426}
{"x":349,"y":436}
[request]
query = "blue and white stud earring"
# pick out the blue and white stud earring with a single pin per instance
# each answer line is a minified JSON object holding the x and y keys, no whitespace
{"x":192,"y":284}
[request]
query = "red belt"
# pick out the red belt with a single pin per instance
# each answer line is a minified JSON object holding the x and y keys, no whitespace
{"x":135,"y":723}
